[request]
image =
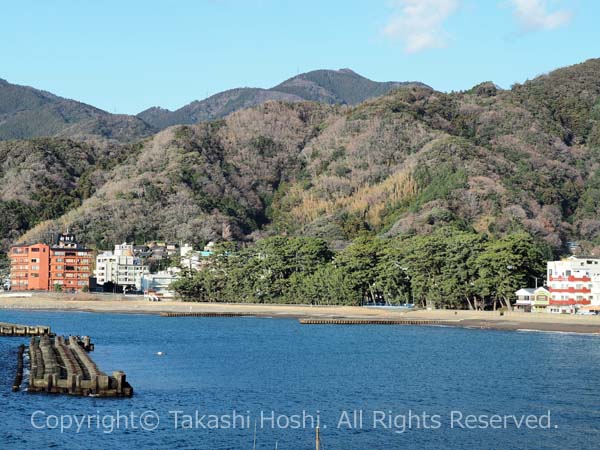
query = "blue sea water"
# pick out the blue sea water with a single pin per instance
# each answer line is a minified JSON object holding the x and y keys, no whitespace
{"x":264,"y":368}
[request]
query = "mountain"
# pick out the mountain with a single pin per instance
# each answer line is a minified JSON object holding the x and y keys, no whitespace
{"x":408,"y":162}
{"x":44,"y":178}
{"x":324,"y":86}
{"x":26,"y":112}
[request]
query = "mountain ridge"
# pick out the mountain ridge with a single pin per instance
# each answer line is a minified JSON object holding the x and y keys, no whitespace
{"x":27,"y":112}
{"x":342,"y":86}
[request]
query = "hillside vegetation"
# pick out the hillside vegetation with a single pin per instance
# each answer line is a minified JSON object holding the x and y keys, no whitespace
{"x":491,"y":161}
{"x":26,"y":112}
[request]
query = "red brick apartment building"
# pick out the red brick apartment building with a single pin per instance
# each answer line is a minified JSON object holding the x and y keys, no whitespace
{"x":41,"y":267}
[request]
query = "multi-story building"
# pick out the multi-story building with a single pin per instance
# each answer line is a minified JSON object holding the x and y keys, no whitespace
{"x":29,"y":267}
{"x":573,"y":283}
{"x":121,"y":267}
{"x":65,"y":265}
{"x":70,"y":264}
{"x":156,"y":286}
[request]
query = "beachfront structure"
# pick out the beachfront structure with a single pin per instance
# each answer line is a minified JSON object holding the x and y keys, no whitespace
{"x":29,"y":267}
{"x":121,"y":267}
{"x":573,"y":283}
{"x":70,"y":264}
{"x":66,"y":265}
{"x":532,"y":300}
{"x":156,"y":286}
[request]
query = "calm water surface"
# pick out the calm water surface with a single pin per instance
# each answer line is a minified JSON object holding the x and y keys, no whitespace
{"x":273,"y":366}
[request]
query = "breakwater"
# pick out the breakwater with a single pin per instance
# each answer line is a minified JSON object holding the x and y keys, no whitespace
{"x":62,"y":366}
{"x":206,"y":314}
{"x":342,"y":321}
{"x":20,"y":366}
{"x":11,"y":329}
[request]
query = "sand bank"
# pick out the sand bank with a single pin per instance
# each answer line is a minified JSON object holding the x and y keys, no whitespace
{"x":468,"y":319}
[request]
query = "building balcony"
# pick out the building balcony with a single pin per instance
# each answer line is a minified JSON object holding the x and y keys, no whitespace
{"x":570,"y":278}
{"x":570,"y":301}
{"x":571,"y":290}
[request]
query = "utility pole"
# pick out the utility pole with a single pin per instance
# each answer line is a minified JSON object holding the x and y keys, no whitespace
{"x":318,"y":443}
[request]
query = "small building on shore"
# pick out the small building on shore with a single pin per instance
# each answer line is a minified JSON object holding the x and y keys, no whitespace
{"x":156,"y":286}
{"x":532,"y":300}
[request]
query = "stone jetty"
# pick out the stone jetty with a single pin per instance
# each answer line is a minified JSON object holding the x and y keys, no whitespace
{"x":62,"y":365}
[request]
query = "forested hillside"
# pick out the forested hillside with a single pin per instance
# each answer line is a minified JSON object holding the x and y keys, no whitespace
{"x":486,"y":160}
{"x":26,"y":112}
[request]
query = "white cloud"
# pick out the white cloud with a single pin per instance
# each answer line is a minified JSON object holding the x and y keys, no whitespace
{"x":534,"y":15}
{"x":418,"y":23}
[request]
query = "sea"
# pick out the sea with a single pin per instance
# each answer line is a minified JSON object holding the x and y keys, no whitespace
{"x":268,"y":383}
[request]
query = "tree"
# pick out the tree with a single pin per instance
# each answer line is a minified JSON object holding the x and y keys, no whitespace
{"x":359,"y":260}
{"x":392,"y":280}
{"x":460,"y":271}
{"x":505,"y":265}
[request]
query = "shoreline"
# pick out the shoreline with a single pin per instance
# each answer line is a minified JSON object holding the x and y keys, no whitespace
{"x":511,"y":321}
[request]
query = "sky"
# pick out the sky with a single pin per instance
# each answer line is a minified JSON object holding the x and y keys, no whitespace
{"x":125,"y":56}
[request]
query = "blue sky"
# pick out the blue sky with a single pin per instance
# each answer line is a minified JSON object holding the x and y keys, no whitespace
{"x":124,"y":56}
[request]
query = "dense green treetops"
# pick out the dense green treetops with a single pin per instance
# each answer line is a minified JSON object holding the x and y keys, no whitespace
{"x":448,"y":268}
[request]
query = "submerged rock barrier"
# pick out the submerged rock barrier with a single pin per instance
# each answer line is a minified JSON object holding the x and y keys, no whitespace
{"x":205,"y":314}
{"x":342,"y":321}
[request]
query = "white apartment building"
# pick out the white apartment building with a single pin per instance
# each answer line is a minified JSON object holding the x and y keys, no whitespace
{"x":573,"y":283}
{"x":156,"y":286}
{"x":120,"y":267}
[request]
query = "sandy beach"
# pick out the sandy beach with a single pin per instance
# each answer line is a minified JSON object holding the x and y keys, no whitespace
{"x":468,"y":319}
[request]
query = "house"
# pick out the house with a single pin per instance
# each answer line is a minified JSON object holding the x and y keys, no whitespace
{"x":193,"y":260}
{"x":532,"y":300}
